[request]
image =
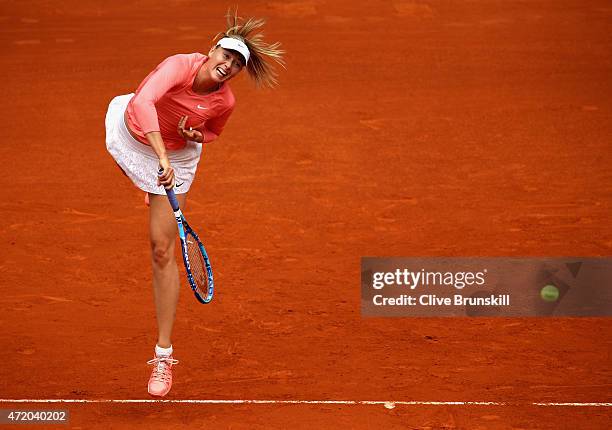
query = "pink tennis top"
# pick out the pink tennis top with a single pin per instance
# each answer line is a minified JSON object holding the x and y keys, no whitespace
{"x":166,"y":95}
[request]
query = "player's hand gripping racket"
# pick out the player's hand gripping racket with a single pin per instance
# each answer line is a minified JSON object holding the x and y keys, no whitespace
{"x":197,"y":264}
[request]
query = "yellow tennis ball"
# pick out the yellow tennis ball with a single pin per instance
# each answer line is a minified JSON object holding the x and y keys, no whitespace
{"x":549,"y":293}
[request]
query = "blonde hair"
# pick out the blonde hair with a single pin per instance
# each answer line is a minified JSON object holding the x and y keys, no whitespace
{"x":259,"y":67}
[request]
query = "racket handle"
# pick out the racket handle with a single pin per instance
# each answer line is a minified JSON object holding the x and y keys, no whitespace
{"x":170,"y":192}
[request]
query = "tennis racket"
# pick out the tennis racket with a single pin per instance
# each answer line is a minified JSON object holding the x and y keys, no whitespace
{"x":195,"y":258}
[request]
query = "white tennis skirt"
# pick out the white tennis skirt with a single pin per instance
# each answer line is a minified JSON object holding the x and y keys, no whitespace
{"x":139,"y":161}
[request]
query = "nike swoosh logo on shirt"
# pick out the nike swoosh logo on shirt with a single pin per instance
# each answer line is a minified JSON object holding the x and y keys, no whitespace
{"x":201,"y":107}
{"x":178,"y":185}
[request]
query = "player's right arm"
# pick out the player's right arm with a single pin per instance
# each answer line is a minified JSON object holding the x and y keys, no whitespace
{"x":157,"y":143}
{"x":170,"y":73}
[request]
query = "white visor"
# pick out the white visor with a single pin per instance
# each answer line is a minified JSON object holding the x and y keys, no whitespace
{"x":235,"y":45}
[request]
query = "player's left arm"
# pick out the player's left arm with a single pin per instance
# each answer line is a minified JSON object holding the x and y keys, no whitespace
{"x":212,"y":128}
{"x":206,"y":131}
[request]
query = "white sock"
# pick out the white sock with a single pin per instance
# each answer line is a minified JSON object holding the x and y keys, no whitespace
{"x":165,"y":352}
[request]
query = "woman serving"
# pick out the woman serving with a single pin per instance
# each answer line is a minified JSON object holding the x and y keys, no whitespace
{"x":183,"y":103}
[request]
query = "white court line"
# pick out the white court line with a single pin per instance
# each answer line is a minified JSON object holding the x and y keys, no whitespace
{"x":387,"y":403}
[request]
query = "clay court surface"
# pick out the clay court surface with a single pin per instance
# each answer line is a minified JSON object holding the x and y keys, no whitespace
{"x":401,"y":128}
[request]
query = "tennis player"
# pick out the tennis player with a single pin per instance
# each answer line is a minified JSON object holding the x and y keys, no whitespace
{"x":183,"y":103}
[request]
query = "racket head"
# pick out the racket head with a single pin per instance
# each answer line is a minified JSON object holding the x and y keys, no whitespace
{"x":199,"y":270}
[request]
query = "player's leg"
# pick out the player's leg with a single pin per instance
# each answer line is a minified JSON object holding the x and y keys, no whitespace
{"x":163,"y":234}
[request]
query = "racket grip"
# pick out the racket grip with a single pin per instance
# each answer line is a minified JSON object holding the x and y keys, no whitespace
{"x":170,"y":192}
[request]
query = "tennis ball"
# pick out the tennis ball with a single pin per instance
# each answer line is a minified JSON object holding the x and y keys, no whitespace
{"x":549,"y":293}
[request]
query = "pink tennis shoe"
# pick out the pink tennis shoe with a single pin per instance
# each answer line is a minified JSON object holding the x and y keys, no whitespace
{"x":160,"y":381}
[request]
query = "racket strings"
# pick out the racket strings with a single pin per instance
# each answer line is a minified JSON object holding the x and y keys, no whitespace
{"x":198,"y":267}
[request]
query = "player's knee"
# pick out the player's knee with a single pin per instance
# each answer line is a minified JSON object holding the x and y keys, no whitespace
{"x":162,"y":252}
